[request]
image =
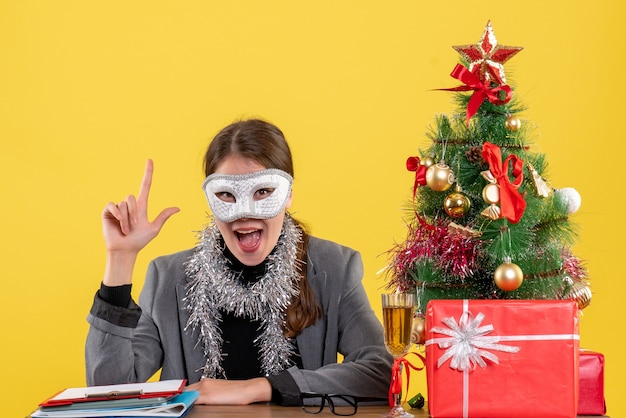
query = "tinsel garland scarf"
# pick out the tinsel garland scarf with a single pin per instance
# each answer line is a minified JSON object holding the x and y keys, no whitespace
{"x":215,"y":287}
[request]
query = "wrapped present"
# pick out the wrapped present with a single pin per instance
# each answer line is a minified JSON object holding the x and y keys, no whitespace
{"x":497,"y":359}
{"x":591,"y":381}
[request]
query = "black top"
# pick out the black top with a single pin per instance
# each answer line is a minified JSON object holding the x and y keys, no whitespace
{"x":241,"y":356}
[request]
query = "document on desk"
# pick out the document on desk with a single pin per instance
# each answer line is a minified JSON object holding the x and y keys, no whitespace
{"x":175,"y":406}
{"x":162,"y":388}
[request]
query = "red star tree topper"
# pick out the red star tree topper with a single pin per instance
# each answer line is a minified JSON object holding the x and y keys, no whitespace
{"x":486,"y":57}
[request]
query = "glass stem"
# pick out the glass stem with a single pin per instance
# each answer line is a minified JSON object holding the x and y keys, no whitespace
{"x":397,"y":397}
{"x":397,"y":400}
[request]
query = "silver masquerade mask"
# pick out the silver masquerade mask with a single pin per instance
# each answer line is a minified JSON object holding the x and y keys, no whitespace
{"x":259,"y":195}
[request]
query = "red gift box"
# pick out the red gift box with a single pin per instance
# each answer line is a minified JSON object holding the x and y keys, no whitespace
{"x":591,"y":378}
{"x":502,"y":359}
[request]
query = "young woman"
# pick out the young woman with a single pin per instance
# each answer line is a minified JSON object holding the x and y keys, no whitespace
{"x":258,"y":311}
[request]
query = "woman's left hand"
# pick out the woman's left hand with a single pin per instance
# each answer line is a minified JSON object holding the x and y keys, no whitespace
{"x":232,"y":392}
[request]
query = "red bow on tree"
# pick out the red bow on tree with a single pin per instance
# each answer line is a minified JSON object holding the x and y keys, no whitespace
{"x":413,"y":164}
{"x":396,"y":375}
{"x":512,"y":203}
{"x":482,"y":90}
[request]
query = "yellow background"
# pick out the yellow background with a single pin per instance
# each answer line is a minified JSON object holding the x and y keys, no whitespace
{"x":90,"y":89}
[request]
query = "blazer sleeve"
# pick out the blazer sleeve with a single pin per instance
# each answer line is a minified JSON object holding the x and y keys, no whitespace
{"x":123,"y":344}
{"x":351,"y":328}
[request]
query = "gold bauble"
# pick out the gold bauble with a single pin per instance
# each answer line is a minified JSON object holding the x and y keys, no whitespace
{"x":427,"y":161}
{"x":457,"y":204}
{"x":491,"y":193}
{"x":513,"y":123}
{"x":418,"y":335}
{"x":581,"y":293}
{"x":508,"y":276}
{"x":439,"y":177}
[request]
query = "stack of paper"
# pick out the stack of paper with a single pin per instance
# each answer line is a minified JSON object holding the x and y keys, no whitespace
{"x":152,"y":399}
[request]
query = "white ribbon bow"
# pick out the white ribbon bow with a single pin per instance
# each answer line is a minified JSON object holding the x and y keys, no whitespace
{"x":468,"y":343}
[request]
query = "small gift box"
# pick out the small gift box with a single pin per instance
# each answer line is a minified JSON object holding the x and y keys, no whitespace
{"x":591,"y":378}
{"x":502,"y":359}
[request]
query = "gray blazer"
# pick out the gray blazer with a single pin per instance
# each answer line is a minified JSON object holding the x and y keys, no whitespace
{"x":117,"y":351}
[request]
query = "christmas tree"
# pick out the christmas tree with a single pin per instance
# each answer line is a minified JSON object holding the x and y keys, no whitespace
{"x":484,"y":222}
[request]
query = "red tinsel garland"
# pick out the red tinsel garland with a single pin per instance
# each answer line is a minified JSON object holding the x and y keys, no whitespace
{"x":453,"y":254}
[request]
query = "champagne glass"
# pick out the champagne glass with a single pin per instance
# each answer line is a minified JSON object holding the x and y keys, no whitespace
{"x":398,"y":325}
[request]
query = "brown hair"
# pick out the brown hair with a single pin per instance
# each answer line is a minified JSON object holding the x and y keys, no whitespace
{"x":261,"y":141}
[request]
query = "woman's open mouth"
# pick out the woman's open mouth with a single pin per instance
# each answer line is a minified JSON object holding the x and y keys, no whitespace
{"x":249,"y":240}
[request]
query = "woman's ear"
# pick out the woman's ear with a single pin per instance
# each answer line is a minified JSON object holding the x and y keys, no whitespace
{"x":289,"y":200}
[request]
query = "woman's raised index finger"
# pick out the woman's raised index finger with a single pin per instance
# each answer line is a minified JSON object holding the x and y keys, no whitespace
{"x":146,"y":182}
